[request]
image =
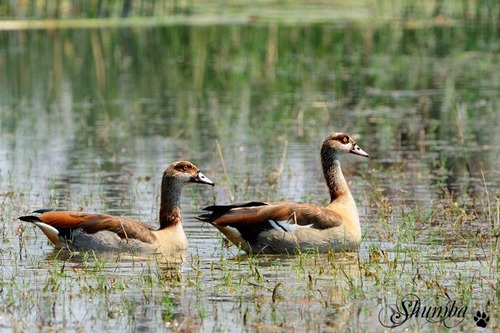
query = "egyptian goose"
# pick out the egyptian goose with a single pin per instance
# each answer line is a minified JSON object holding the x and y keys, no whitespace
{"x":101,"y":232}
{"x":289,"y":227}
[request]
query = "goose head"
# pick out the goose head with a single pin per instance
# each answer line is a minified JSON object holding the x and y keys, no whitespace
{"x":341,"y":143}
{"x":184,"y":172}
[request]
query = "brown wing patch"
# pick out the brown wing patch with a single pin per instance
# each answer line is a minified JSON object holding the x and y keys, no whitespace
{"x":63,"y":219}
{"x":92,"y":223}
{"x":241,"y":217}
{"x":125,"y":228}
{"x":299,"y":213}
{"x":320,"y":217}
{"x":302,"y":214}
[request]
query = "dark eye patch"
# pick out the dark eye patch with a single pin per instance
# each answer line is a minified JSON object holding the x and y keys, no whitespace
{"x":182,"y":167}
{"x":343,"y":139}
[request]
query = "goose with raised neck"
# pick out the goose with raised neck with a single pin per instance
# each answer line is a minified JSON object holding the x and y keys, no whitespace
{"x":290,"y":227}
{"x":102,"y":232}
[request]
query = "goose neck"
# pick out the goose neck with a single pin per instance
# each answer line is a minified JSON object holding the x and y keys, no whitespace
{"x":170,"y":211}
{"x":335,"y":178}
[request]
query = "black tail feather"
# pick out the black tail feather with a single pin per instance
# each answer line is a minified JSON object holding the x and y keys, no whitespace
{"x":29,"y":218}
{"x":205,"y":218}
{"x":32,"y":218}
{"x":234,"y":205}
{"x":220,"y":210}
{"x":41,"y":211}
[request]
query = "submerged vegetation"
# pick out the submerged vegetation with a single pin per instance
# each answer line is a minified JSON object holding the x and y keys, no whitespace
{"x":88,"y":118}
{"x":310,"y":291}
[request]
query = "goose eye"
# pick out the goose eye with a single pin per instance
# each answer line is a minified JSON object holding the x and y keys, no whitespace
{"x":345,"y":139}
{"x":182,"y":167}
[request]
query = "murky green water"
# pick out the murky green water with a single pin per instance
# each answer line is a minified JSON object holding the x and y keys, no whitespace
{"x":90,"y":117}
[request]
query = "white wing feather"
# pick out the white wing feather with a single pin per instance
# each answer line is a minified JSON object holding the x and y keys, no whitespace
{"x":287,"y":226}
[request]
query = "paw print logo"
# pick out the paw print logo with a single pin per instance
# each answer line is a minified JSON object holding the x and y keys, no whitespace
{"x":481,"y":319}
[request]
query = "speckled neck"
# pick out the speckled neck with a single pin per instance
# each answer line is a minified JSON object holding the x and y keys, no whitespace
{"x":170,"y":211}
{"x":333,"y":173}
